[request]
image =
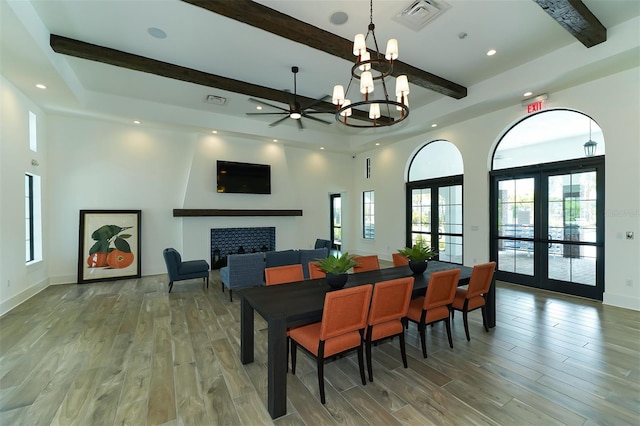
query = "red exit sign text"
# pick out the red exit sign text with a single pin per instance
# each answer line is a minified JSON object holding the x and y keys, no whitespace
{"x":534,"y":107}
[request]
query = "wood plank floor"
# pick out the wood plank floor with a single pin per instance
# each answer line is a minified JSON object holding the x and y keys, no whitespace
{"x":127,"y":352}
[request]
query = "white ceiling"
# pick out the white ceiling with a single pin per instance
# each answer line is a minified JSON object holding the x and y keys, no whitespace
{"x":533,"y":53}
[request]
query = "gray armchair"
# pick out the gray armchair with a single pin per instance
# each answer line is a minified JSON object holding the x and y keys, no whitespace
{"x":242,"y":270}
{"x":320,"y":243}
{"x":179,"y":270}
{"x":310,"y":255}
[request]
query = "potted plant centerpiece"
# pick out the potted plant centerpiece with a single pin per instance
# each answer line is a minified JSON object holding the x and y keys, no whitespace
{"x":418,"y":255}
{"x":336,"y":268}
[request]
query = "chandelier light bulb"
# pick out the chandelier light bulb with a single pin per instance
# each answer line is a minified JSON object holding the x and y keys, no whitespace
{"x":346,"y":112}
{"x":374,"y":111}
{"x":402,"y":100}
{"x":392,"y":50}
{"x":365,"y":57}
{"x":402,"y":85}
{"x":338,"y":94}
{"x":359,"y":45}
{"x":366,"y":82}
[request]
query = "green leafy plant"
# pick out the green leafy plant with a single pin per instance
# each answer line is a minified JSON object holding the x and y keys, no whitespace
{"x":337,"y":264}
{"x":419,"y":252}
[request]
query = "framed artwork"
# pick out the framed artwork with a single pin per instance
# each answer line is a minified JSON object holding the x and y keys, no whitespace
{"x":109,"y":245}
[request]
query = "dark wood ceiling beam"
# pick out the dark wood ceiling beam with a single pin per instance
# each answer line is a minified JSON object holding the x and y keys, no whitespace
{"x":278,"y":23}
{"x":106,"y":55}
{"x":575,"y":17}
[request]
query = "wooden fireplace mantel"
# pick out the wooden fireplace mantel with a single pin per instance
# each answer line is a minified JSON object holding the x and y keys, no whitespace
{"x":233,"y":212}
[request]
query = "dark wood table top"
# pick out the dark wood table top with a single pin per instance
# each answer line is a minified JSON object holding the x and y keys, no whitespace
{"x":302,"y":302}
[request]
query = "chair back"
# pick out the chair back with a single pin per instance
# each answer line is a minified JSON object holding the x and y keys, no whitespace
{"x":320,"y":243}
{"x":390,"y":300}
{"x":283,"y":274}
{"x":366,"y":263}
{"x":281,"y":258}
{"x":315,"y":271}
{"x":173,"y":260}
{"x":480,"y":281}
{"x":399,"y":259}
{"x":244,"y":270}
{"x":345,"y":311}
{"x":441,"y":289}
{"x":308,"y":255}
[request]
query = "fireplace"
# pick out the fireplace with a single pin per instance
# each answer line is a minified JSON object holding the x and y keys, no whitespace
{"x":226,"y":241}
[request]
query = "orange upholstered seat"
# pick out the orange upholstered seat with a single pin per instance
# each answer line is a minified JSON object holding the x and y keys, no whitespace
{"x":366,"y":263}
{"x":387,"y":315}
{"x":283,"y":274}
{"x":399,"y":259}
{"x":435,"y":306}
{"x":474,"y":296}
{"x":344,"y":318}
{"x":315,"y":271}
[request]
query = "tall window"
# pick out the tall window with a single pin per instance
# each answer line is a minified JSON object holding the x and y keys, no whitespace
{"x":434,"y":200}
{"x":33,"y":139}
{"x":368,"y":220}
{"x":28,"y":213}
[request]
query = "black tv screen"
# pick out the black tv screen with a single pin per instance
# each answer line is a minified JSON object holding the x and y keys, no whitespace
{"x":243,"y":178}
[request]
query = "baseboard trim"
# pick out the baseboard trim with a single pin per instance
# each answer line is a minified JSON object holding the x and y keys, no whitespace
{"x":621,"y":301}
{"x":23,"y":296}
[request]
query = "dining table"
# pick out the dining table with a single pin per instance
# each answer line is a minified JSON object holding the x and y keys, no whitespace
{"x":301,"y":302}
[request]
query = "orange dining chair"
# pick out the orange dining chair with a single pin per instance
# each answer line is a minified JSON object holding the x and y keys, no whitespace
{"x":475,"y":295}
{"x":435,"y":306}
{"x":315,"y":271}
{"x":366,"y":263}
{"x":283,"y":274}
{"x":399,"y":260}
{"x":388,"y":315}
{"x":344,"y":319}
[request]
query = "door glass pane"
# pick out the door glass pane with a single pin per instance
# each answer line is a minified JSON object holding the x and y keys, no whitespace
{"x":450,"y":223}
{"x":572,"y":217}
{"x":421,"y":210}
{"x":450,"y":248}
{"x":337,"y":220}
{"x":515,"y":224}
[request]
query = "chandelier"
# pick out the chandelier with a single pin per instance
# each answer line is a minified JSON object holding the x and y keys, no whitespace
{"x":372,"y":67}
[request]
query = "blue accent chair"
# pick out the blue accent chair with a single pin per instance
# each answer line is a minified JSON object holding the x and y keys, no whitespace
{"x":322,"y":243}
{"x":242,"y":270}
{"x":179,"y":270}
{"x":309,"y":255}
{"x":281,"y":258}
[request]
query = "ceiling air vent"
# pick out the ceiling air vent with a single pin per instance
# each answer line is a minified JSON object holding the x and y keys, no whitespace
{"x":216,"y":100}
{"x":420,"y":12}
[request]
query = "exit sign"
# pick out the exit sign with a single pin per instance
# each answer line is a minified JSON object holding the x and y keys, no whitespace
{"x":534,"y":104}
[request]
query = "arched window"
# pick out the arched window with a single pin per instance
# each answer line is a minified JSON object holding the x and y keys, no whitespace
{"x":434,"y":199}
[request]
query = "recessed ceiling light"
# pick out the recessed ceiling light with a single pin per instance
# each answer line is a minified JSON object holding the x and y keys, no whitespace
{"x":275,"y":140}
{"x":156,"y":33}
{"x":258,"y":107}
{"x":377,"y":143}
{"x":491,"y":52}
{"x":322,"y":147}
{"x":214,"y":132}
{"x":41,"y":86}
{"x":338,"y":18}
{"x":526,"y":94}
{"x":136,"y":122}
{"x":434,"y":125}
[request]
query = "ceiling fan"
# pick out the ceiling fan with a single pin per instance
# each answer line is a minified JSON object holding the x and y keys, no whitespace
{"x":295,"y":111}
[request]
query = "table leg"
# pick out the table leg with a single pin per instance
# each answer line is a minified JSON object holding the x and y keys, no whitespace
{"x":246,"y":331}
{"x":277,"y":368}
{"x":491,"y":305}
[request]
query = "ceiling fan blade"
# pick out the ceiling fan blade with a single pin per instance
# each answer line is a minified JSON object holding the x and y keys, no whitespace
{"x":275,"y":123}
{"x":267,"y":113}
{"x":304,"y":114}
{"x":300,"y":126}
{"x":316,"y":102}
{"x":257,"y":101}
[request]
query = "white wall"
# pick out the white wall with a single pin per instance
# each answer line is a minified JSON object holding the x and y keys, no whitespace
{"x":19,"y":281}
{"x":609,"y":101}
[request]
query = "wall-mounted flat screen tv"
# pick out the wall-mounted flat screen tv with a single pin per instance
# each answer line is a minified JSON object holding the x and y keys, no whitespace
{"x":243,"y":178}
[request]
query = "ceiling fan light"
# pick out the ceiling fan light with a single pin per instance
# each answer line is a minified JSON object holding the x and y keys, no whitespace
{"x":359,"y":45}
{"x":346,"y":112}
{"x":402,"y":85}
{"x":295,"y":115}
{"x":366,"y":82}
{"x":374,"y":111}
{"x":338,"y":94}
{"x":366,"y":56}
{"x":392,"y":50}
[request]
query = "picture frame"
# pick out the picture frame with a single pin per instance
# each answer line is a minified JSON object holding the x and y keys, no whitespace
{"x":109,"y":245}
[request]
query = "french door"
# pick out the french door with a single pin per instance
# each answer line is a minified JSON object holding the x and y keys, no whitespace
{"x":336,"y":221}
{"x":547,"y":226}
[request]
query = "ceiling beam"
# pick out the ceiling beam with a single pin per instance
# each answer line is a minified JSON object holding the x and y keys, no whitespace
{"x":278,"y":23}
{"x":106,"y":55}
{"x":575,"y":17}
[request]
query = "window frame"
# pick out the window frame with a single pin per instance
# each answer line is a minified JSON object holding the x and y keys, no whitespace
{"x":370,"y":226}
